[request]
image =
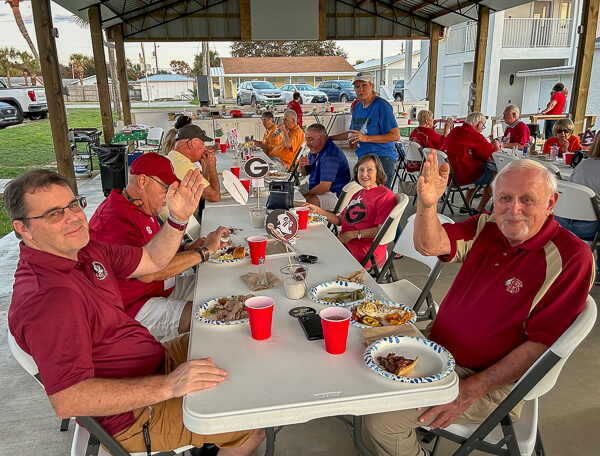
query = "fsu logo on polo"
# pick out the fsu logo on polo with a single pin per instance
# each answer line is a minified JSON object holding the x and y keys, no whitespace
{"x":357,"y":211}
{"x":513,"y":285}
{"x":99,"y":270}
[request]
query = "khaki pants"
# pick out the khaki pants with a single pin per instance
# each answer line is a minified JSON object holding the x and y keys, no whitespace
{"x":394,"y":433}
{"x":166,"y":428}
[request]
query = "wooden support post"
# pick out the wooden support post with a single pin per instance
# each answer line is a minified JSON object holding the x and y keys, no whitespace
{"x":583,"y":64}
{"x":434,"y":41}
{"x":480,"y":50}
{"x":245,"y":24}
{"x":122,"y":72}
{"x":101,"y":72}
{"x":322,"y":20}
{"x":42,"y":18}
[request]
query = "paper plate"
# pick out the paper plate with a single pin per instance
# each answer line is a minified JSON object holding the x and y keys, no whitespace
{"x":235,"y":187}
{"x":209,"y":304}
{"x":412,"y":320}
{"x":435,"y":362}
{"x":213,"y":258}
{"x":317,"y":218}
{"x":320,"y":291}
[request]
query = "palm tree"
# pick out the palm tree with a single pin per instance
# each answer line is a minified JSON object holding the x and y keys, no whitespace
{"x":79,"y":61}
{"x":30,"y":66}
{"x":14,"y":4}
{"x":215,"y":61}
{"x":8,"y":62}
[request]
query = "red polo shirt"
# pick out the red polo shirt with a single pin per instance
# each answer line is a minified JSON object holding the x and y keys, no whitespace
{"x":467,"y":150}
{"x":427,"y":137}
{"x":69,"y":317}
{"x":504,"y":296}
{"x":118,"y":221}
{"x":518,"y":133}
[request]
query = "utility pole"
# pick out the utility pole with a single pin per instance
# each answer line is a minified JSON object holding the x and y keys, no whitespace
{"x":146,"y":73}
{"x":156,"y":56}
{"x":381,"y":78}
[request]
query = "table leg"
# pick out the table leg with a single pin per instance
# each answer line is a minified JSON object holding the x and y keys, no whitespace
{"x":270,"y":450}
{"x":358,"y":441}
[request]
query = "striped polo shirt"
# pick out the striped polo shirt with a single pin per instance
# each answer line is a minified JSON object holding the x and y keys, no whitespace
{"x":504,"y":296}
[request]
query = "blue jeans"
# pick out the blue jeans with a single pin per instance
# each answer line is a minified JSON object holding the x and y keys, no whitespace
{"x":389,"y":166}
{"x":583,"y":229}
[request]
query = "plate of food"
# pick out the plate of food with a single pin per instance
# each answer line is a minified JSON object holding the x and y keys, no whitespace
{"x":376,"y":313}
{"x":316,"y":218}
{"x":230,"y":254}
{"x":226,"y":310}
{"x":409,"y":359}
{"x":340,"y":293}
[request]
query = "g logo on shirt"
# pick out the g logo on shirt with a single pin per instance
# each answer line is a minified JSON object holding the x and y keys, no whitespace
{"x":99,"y":270}
{"x":356,"y":212}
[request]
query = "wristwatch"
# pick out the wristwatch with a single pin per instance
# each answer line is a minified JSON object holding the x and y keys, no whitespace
{"x":359,"y":235}
{"x":181,"y":226}
{"x":204,"y":253}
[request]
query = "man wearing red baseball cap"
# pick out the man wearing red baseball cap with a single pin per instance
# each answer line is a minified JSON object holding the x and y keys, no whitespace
{"x":162,"y":301}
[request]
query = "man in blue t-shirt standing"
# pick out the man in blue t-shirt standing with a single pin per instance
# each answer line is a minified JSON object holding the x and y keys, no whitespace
{"x":327,"y":166}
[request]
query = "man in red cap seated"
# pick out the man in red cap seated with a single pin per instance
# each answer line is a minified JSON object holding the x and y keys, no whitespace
{"x":161,"y":301}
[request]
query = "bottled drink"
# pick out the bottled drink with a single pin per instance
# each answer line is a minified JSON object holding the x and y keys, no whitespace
{"x":526,"y":149}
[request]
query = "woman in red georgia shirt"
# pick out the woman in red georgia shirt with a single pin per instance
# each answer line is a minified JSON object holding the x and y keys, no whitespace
{"x":555,"y":107}
{"x":563,"y":138}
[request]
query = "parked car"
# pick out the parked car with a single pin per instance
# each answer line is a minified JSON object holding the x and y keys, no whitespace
{"x":399,"y":91}
{"x":8,"y":115}
{"x":29,"y":101}
{"x":259,"y":91}
{"x":338,"y":90}
{"x":308,"y":94}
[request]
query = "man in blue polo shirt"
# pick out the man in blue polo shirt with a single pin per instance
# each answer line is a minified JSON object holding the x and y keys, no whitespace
{"x":327,"y":166}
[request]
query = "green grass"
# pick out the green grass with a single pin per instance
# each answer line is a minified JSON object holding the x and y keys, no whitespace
{"x":30,"y":146}
{"x":5,"y":225}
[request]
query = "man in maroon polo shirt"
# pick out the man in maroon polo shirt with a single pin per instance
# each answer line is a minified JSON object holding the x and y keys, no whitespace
{"x":517,"y":132}
{"x":470,"y":156}
{"x":523,"y":282}
{"x":66,"y":312}
{"x":162,"y":301}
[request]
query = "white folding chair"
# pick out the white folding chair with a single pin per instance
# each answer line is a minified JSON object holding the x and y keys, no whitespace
{"x":84,"y":443}
{"x":497,"y":131}
{"x":346,"y":195}
{"x":193,"y":230}
{"x":153,"y":140}
{"x":498,"y":434}
{"x":403,"y":291}
{"x":552,"y":168}
{"x":501,"y":159}
{"x":386,"y":233}
{"x":578,"y":202}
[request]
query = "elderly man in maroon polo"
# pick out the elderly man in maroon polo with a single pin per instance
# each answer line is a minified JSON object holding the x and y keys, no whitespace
{"x":67,"y":313}
{"x":523,"y":282}
{"x":470,"y":156}
{"x":162,"y":301}
{"x":517,"y":132}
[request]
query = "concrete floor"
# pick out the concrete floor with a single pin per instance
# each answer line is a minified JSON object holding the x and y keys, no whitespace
{"x":569,"y":413}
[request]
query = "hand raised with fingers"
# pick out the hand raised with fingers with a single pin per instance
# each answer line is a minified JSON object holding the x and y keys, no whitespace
{"x":183,"y":198}
{"x":432,"y":182}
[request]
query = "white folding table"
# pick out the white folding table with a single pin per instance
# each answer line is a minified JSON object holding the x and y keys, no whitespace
{"x":288,"y":379}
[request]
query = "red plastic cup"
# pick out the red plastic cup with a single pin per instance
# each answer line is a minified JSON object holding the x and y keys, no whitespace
{"x":332,"y":108}
{"x":246,"y":184}
{"x":258,"y":248}
{"x":223,"y":148}
{"x":260,"y":314}
{"x":235,"y":170}
{"x":302,"y":217}
{"x":217,"y":140}
{"x":568,"y":157}
{"x":335,"y":322}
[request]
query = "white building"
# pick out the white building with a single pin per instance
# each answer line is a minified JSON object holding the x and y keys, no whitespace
{"x":166,"y":86}
{"x":529,"y":49}
{"x":393,"y":69}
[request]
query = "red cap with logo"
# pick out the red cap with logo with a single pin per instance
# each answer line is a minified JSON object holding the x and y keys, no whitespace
{"x":153,"y":164}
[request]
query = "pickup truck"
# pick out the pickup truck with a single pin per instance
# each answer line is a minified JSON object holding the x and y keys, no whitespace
{"x":29,"y":101}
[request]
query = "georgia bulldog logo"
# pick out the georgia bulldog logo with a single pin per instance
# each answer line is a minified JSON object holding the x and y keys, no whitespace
{"x":99,"y":270}
{"x":513,"y":285}
{"x":356,"y":211}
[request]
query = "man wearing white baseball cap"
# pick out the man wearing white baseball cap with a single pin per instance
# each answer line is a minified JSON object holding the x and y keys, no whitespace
{"x":373,"y":129}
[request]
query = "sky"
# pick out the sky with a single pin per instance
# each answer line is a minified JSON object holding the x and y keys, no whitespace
{"x":74,"y":39}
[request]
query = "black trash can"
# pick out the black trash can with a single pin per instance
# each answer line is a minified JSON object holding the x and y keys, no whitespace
{"x":112,"y":165}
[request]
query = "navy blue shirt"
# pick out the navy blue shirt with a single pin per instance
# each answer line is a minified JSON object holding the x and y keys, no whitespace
{"x":330,"y":165}
{"x":379,"y":118}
